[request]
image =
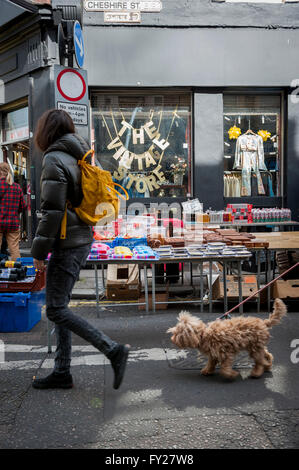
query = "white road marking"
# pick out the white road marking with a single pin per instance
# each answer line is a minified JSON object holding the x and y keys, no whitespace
{"x":98,"y":359}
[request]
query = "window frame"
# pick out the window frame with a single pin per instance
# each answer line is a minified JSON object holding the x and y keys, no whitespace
{"x":156,"y":91}
{"x":265,"y":201}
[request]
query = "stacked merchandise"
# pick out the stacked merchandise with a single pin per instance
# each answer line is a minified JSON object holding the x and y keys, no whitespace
{"x":228,"y":236}
{"x":209,"y":250}
{"x":269,"y":215}
{"x":99,"y":251}
{"x":236,"y":213}
{"x":12,"y":271}
{"x":240,"y":212}
{"x":22,"y":295}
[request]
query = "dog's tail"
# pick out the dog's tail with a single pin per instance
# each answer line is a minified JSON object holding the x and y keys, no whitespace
{"x":279,"y":311}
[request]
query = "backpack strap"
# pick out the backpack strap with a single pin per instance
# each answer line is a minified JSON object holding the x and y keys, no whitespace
{"x":124,"y":190}
{"x":63,"y":225}
{"x":126,"y":197}
{"x":91,"y":151}
{"x":64,"y":221}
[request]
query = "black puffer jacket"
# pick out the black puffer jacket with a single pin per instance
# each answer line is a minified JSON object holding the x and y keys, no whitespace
{"x":61,"y":182}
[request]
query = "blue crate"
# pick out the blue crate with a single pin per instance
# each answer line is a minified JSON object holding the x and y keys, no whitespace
{"x":129,"y":242}
{"x":28,"y":262}
{"x":30,"y":271}
{"x":19,"y":312}
{"x":25,"y":261}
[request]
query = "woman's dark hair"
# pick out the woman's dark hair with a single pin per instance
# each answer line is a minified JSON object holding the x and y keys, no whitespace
{"x":52,"y":125}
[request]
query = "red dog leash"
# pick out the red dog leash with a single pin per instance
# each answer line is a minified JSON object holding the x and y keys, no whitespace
{"x":258,"y":291}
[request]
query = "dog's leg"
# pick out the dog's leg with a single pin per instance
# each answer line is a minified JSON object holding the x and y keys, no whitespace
{"x":226,"y":368}
{"x":268,"y":359}
{"x":210,"y":367}
{"x":260,"y":363}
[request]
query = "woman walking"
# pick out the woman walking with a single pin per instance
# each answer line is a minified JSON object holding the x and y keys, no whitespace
{"x":61,"y":182}
{"x":12,"y":203}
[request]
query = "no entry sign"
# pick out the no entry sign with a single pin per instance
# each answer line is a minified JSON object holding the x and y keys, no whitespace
{"x":71,"y":85}
{"x":71,"y":95}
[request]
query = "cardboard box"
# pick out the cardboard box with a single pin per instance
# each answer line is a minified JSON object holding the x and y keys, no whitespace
{"x":160,"y":297}
{"x":249,"y":286}
{"x":122,"y":282}
{"x":286,"y":289}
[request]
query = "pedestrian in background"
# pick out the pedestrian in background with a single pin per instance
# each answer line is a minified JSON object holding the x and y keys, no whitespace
{"x":61,"y":184}
{"x":12,"y":203}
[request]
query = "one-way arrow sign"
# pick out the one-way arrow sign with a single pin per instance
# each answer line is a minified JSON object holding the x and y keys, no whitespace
{"x":79,"y":44}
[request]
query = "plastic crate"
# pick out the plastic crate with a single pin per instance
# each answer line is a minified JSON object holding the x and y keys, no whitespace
{"x":28,"y":262}
{"x":19,"y":312}
{"x":38,"y":283}
{"x":25,"y":261}
{"x":129,"y":242}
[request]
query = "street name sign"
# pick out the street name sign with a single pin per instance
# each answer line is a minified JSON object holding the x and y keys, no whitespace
{"x":142,"y":6}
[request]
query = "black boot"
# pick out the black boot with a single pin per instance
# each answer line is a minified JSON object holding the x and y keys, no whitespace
{"x":118,"y":361}
{"x":54,"y":380}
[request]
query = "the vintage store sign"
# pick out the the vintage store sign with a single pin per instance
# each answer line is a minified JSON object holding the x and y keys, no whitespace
{"x":151,"y":158}
{"x":142,"y":6}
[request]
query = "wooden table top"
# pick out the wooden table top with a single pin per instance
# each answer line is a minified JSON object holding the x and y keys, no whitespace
{"x":280,"y":240}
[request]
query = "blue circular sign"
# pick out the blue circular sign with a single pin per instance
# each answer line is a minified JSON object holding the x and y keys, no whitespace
{"x":78,"y":44}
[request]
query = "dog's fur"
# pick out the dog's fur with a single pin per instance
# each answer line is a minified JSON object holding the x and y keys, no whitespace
{"x":221,"y":340}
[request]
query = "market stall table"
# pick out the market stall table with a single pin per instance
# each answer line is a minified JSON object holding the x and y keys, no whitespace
{"x":292,"y":225}
{"x":145,"y":263}
{"x":224,"y":260}
{"x":278,"y":241}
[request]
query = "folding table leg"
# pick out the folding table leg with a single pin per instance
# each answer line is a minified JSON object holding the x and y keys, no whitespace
{"x":97,"y":289}
{"x":146,"y":288}
{"x":201,"y":286}
{"x":269,"y":279}
{"x":103,"y":276}
{"x":211,"y":285}
{"x":258,"y":280}
{"x":153,"y":288}
{"x":240,"y":285}
{"x":225,"y":288}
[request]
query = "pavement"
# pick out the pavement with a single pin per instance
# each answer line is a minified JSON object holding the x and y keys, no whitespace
{"x":164,"y":401}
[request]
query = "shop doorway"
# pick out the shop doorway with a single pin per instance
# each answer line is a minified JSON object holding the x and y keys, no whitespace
{"x":17,"y":156}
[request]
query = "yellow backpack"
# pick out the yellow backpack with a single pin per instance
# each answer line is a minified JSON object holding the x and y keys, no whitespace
{"x":97,"y":187}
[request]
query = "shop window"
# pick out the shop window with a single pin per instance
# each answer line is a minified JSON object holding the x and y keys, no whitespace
{"x":144,"y":140}
{"x":15,"y":125}
{"x":252,"y":145}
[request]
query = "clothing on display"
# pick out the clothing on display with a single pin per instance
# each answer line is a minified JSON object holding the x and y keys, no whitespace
{"x":249,"y":157}
{"x":232,"y":185}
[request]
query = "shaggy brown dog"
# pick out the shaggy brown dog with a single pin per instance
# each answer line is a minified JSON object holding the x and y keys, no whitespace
{"x":221,"y":340}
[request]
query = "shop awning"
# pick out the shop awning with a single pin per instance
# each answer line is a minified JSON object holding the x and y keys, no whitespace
{"x":11,"y":9}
